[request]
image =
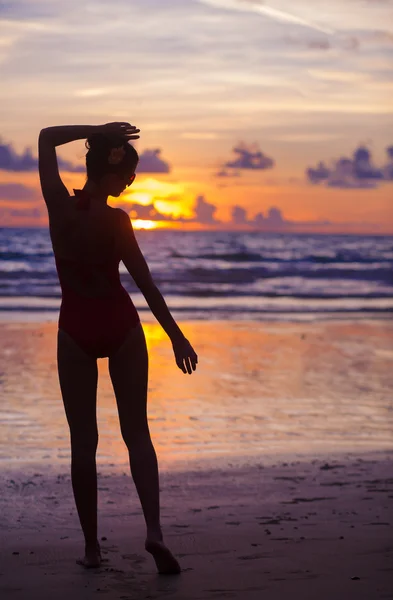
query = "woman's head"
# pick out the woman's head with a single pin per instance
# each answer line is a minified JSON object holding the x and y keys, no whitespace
{"x":110,"y":162}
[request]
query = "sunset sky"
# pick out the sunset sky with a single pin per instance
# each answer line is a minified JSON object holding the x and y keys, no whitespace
{"x":271,"y":115}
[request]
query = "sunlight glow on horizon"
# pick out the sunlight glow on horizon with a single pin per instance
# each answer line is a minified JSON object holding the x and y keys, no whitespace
{"x":144,"y":224}
{"x":139,"y":198}
{"x":167,"y":198}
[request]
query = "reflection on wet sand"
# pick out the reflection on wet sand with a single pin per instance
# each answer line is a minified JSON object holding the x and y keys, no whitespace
{"x":259,"y":389}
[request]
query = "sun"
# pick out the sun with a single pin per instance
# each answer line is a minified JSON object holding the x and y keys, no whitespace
{"x":144,"y":224}
{"x":165,"y":197}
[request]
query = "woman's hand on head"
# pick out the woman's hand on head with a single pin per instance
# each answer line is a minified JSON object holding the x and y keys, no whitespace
{"x":130,"y":132}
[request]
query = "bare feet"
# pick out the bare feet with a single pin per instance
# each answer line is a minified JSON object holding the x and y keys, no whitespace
{"x":165,"y":561}
{"x":92,"y":558}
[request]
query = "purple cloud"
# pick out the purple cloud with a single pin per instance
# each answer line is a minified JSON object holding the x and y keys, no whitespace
{"x":224,"y":173}
{"x":150,"y":162}
{"x":356,"y":172}
{"x":239,"y":215}
{"x":10,"y":160}
{"x":204,"y":211}
{"x":17,"y":191}
{"x":249,"y":159}
{"x":273,"y":221}
{"x":7,"y":212}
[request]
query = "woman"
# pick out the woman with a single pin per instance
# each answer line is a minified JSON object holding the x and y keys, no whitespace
{"x":98,"y":319}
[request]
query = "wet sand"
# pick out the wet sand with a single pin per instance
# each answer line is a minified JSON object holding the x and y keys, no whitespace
{"x":275,"y":467}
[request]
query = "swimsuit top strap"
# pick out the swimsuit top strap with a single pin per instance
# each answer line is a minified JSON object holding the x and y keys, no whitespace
{"x":83,"y":199}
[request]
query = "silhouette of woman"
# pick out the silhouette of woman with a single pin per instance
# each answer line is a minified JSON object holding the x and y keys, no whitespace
{"x":98,"y":319}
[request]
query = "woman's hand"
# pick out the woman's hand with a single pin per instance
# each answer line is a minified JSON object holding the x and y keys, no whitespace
{"x":186,"y":357}
{"x":120,"y":128}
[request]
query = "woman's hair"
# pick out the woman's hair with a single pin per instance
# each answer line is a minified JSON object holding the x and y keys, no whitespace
{"x":99,"y":147}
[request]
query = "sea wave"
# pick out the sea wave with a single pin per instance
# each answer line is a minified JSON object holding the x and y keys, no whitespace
{"x":225,"y":271}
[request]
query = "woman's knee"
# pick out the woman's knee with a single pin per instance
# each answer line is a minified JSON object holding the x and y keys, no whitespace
{"x":136,"y":437}
{"x":84,"y":445}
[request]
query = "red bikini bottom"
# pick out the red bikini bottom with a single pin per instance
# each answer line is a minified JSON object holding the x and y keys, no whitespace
{"x":98,"y":325}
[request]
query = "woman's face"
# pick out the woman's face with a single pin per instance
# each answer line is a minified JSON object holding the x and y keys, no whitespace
{"x":115,"y":184}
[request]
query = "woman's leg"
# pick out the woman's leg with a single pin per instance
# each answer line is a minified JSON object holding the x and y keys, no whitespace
{"x":78,"y":377}
{"x":128,"y":369}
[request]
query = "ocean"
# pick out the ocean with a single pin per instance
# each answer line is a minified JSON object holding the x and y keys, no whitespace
{"x":212,"y":275}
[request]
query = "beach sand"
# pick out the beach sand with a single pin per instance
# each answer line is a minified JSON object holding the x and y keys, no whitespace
{"x":275,"y":464}
{"x":319,"y":529}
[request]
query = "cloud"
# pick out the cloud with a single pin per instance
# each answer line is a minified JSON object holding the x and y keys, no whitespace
{"x":145,"y":211}
{"x":150,"y":162}
{"x":239,"y":215}
{"x":204,"y":211}
{"x":273,"y":221}
{"x":319,"y":44}
{"x":6,"y":213}
{"x":246,"y":76}
{"x":204,"y":214}
{"x":356,"y":172}
{"x":274,"y":218}
{"x":21,"y":10}
{"x":341,"y":42}
{"x":260,"y":7}
{"x":224,"y":173}
{"x":12,"y":161}
{"x":17,"y":191}
{"x":247,"y":158}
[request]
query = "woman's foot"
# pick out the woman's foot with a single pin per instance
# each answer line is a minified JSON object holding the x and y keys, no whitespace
{"x":92,"y":558}
{"x":165,"y":561}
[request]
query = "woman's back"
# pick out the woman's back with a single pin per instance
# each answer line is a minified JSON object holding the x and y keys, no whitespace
{"x":87,"y":247}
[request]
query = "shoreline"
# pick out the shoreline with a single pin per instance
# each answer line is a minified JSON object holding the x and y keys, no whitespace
{"x":40,"y":316}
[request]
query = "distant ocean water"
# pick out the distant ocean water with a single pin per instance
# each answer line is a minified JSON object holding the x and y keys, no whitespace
{"x":220,"y":275}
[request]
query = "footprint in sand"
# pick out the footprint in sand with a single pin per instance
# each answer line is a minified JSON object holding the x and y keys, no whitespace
{"x":136,"y":558}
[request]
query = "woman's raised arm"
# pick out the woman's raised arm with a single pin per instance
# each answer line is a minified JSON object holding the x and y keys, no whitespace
{"x":62,"y":134}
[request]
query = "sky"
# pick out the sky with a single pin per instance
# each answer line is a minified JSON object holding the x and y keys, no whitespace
{"x":254,"y":115}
